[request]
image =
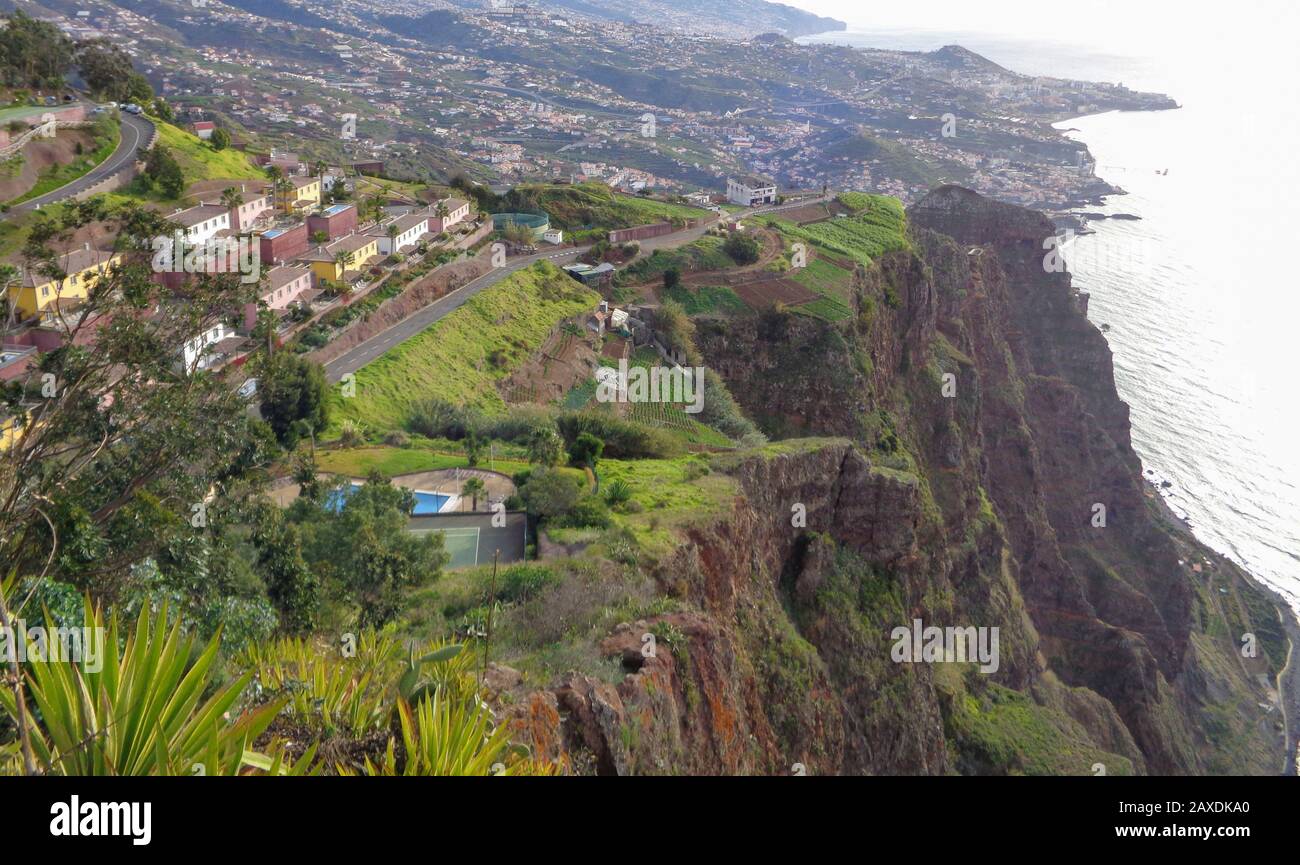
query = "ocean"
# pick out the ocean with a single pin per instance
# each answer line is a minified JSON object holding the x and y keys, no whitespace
{"x":1198,"y":296}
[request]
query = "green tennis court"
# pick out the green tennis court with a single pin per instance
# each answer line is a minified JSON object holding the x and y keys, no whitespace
{"x":471,"y":538}
{"x":461,"y":544}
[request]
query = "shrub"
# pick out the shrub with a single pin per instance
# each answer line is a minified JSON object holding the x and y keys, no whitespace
{"x":350,"y":435}
{"x":435,"y":418}
{"x":623,"y":439}
{"x":743,"y":248}
{"x":618,"y":492}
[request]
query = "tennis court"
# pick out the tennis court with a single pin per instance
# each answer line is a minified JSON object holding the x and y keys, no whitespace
{"x":471,"y":539}
{"x":461,"y":544}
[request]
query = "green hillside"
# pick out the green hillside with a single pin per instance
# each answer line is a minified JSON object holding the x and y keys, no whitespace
{"x":462,"y":357}
{"x":595,"y":205}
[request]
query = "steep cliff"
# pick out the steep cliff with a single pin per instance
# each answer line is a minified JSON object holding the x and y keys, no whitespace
{"x":956,"y":454}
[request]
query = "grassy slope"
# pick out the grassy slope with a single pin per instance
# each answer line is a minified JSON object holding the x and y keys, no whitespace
{"x":199,"y":161}
{"x":462,"y":357}
{"x":391,"y":461}
{"x":595,"y":205}
{"x":877,"y":226}
{"x":60,"y":175}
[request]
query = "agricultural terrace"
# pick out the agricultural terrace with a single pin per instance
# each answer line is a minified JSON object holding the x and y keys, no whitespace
{"x":878,"y":225}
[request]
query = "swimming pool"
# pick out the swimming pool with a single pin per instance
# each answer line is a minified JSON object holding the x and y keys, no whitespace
{"x":425,"y":503}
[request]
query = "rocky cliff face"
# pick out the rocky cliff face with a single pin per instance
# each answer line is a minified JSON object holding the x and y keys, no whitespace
{"x":978,"y":474}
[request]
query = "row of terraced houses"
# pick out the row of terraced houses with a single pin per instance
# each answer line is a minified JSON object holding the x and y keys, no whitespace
{"x":305,"y":249}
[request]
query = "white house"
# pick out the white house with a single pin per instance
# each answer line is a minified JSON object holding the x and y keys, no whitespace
{"x":203,"y":222}
{"x":410,"y":228}
{"x":196,"y":354}
{"x":749,"y":190}
{"x":553,"y":235}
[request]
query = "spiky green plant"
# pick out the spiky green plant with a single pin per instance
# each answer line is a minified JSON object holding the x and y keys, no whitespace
{"x":336,"y":695}
{"x":445,"y":667}
{"x":447,"y":737}
{"x":142,"y":711}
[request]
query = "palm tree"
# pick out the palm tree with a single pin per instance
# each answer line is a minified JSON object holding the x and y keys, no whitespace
{"x":392,"y":237}
{"x":274,"y":173}
{"x":231,"y":198}
{"x":9,"y":275}
{"x":343,"y":259}
{"x":472,"y":488}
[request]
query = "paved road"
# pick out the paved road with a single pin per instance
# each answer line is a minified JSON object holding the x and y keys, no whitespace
{"x":135,"y":132}
{"x":423,"y":318}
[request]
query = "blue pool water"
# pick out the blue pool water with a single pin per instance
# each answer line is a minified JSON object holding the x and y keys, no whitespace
{"x":425,"y":503}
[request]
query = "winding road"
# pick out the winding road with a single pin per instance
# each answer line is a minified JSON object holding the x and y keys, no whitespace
{"x":136,"y":132}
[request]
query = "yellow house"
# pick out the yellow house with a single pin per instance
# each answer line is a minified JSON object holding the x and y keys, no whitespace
{"x":298,"y":194}
{"x":325,"y":260}
{"x":83,"y":268}
{"x":13,"y":427}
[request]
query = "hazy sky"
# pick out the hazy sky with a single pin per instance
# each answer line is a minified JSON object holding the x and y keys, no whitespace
{"x":1117,"y":24}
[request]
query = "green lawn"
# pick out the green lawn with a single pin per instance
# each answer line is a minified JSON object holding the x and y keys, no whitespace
{"x":461,"y":358}
{"x":391,"y":461}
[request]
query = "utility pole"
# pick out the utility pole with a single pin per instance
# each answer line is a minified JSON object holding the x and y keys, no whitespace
{"x":492,"y":601}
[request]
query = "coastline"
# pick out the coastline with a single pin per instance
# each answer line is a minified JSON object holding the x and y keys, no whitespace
{"x":1287,"y":680}
{"x":1077,"y":212}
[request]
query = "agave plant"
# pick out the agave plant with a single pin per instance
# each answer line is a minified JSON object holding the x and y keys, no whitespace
{"x":446,"y":737}
{"x":142,"y":712}
{"x":336,"y":695}
{"x":446,"y":668}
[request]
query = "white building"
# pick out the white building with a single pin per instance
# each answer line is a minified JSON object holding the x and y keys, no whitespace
{"x":196,"y":354}
{"x":553,"y":235}
{"x":203,"y":222}
{"x":410,"y":228}
{"x":457,"y":211}
{"x":749,"y":190}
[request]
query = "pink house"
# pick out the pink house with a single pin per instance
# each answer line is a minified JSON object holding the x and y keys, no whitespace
{"x":257,"y":203}
{"x":336,"y":221}
{"x":283,"y":286}
{"x":457,"y":211}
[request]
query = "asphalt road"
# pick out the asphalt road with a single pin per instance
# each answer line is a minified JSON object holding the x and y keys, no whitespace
{"x":418,"y":321}
{"x":135,"y":131}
